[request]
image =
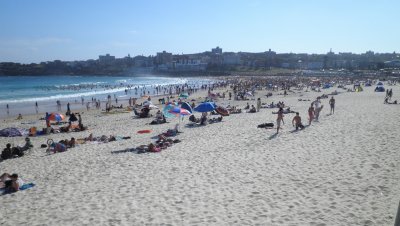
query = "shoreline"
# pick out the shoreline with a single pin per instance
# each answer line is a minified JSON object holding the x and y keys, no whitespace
{"x":48,"y":105}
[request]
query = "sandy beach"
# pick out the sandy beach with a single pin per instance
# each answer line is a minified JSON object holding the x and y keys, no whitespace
{"x":342,"y":170}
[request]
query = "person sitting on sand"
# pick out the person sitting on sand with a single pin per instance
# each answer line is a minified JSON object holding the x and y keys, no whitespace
{"x":144,"y":112}
{"x":7,"y":152}
{"x":160,"y":118}
{"x":159,"y":115}
{"x":297,"y":122}
{"x":386,"y":101}
{"x":164,"y":142}
{"x":70,"y":143}
{"x":56,"y":147}
{"x":10,"y":183}
{"x":19,"y":117}
{"x":247,"y":106}
{"x":252,"y":109}
{"x":172,"y":132}
{"x":27,"y":146}
{"x":203,"y":118}
{"x":153,"y":148}
{"x":213,"y":120}
{"x":65,"y":129}
{"x":193,"y":118}
{"x":89,"y":138}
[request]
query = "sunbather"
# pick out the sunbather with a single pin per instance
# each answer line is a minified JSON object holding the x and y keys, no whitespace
{"x":193,"y":118}
{"x":56,"y":147}
{"x":213,"y":120}
{"x":10,"y":183}
{"x":252,"y":109}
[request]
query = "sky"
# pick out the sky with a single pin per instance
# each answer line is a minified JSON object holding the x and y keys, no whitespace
{"x":47,"y":30}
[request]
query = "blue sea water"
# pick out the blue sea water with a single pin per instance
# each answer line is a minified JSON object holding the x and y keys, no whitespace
{"x":17,"y":89}
{"x":21,"y":93}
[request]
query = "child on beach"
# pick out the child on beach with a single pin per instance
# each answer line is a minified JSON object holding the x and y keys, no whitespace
{"x":297,"y":122}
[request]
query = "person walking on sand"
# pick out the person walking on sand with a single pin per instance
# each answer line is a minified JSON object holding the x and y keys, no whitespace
{"x":318,"y":107}
{"x":311,"y":112}
{"x":8,"y":109}
{"x":279,"y":119}
{"x":332,"y":104}
{"x":258,"y":104}
{"x":37,"y":107}
{"x":68,"y":109}
{"x":297,"y":121}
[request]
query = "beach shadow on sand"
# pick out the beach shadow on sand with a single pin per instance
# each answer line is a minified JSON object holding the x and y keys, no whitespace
{"x":295,"y":131}
{"x":273,"y":136}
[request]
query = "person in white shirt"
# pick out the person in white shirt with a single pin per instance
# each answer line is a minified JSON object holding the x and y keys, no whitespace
{"x":318,"y":108}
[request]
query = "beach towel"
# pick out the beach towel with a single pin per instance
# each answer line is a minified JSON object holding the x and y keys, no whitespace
{"x":26,"y":186}
{"x":13,"y":132}
{"x":23,"y":187}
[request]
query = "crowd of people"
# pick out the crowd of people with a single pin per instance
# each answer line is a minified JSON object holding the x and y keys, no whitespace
{"x":241,"y":89}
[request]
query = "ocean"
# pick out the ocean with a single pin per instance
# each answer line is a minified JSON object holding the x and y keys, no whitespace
{"x":21,"y":93}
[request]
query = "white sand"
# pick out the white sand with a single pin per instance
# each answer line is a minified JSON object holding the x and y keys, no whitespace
{"x":343,"y":170}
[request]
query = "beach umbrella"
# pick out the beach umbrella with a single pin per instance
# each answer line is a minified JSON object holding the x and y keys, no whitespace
{"x":222,"y":111}
{"x":187,"y":107}
{"x":179,"y":111}
{"x":205,"y":107}
{"x":56,"y":117}
{"x":184,"y":95}
{"x":166,"y":111}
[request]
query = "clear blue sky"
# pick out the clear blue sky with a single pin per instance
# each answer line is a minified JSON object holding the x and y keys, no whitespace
{"x":44,"y":30}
